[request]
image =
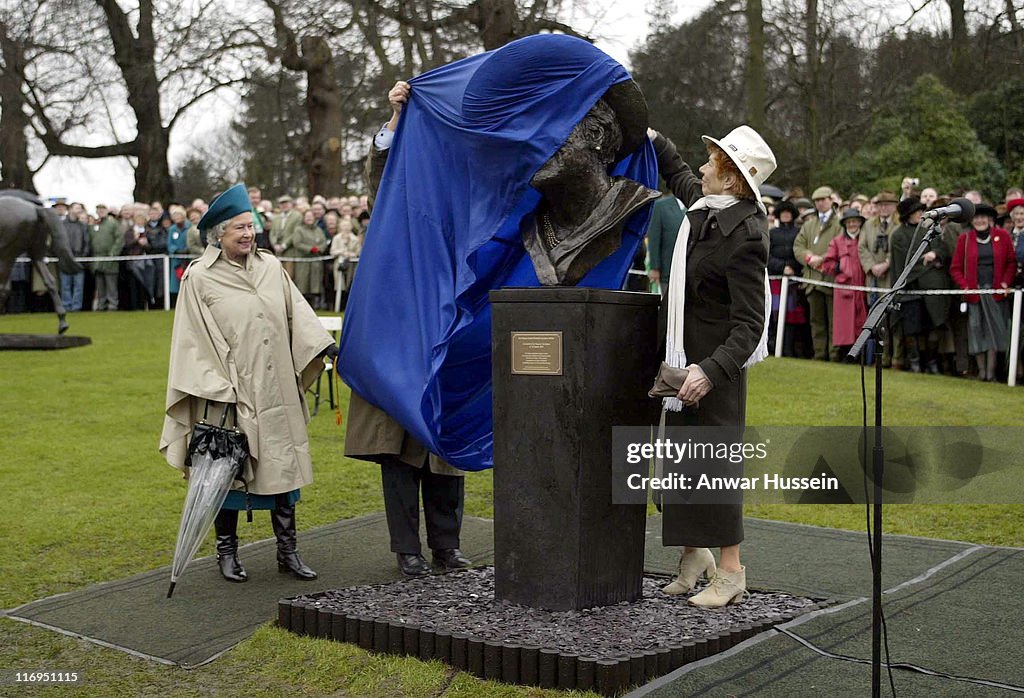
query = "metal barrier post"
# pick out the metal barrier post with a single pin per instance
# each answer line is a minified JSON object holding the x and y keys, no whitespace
{"x":1011,"y":361}
{"x":167,"y":282}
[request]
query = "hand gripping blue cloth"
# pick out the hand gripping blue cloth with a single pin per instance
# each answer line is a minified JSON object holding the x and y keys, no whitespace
{"x":445,"y":231}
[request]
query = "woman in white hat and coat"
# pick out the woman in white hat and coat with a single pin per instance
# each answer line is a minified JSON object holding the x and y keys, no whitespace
{"x":716,"y":319}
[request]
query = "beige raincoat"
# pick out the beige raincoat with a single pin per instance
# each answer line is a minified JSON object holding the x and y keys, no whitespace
{"x":245,"y":335}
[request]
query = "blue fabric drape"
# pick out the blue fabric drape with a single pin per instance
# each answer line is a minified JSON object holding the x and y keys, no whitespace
{"x":445,"y":231}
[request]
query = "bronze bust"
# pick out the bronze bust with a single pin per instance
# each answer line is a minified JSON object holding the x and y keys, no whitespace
{"x":580,"y":219}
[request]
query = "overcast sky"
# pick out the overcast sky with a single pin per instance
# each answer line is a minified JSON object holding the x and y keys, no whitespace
{"x":111,"y":180}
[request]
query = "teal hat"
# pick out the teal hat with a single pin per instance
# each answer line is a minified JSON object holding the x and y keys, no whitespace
{"x":227,"y":205}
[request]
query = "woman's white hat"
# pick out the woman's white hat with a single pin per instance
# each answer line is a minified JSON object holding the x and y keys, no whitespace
{"x":752,"y":156}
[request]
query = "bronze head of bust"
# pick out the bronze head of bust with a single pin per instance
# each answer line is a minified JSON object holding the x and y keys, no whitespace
{"x":580,"y":219}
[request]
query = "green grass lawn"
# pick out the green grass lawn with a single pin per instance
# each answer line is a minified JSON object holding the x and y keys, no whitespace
{"x":90,"y":499}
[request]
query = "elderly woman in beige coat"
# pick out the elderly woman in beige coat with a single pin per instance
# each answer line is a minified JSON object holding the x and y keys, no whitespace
{"x":244,"y":336}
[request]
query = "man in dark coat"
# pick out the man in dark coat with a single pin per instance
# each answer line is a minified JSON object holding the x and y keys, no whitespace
{"x":809,"y":247}
{"x":72,"y":286}
{"x":406,"y":465}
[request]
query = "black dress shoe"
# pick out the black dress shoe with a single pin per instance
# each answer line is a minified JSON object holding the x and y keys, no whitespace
{"x":452,"y":559}
{"x":413,"y":565}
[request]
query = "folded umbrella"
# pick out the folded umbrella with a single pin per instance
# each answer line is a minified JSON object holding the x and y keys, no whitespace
{"x":217,"y":455}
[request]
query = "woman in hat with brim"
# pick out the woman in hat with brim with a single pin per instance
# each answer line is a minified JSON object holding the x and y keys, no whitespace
{"x":716,"y":328}
{"x":984,"y":259}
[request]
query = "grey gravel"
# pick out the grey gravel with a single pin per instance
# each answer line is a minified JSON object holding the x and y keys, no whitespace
{"x":463,"y":602}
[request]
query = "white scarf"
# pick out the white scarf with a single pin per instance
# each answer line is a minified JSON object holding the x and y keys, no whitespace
{"x":675,"y":353}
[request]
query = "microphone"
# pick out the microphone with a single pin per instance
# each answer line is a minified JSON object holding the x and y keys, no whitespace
{"x":959,"y":211}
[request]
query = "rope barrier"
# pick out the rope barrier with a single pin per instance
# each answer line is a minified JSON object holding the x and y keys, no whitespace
{"x":129,"y":258}
{"x":1015,"y":333}
{"x":1015,"y":315}
{"x":884,"y":289}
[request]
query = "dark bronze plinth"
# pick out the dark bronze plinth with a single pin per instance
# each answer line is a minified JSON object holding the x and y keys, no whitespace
{"x":560,"y":543}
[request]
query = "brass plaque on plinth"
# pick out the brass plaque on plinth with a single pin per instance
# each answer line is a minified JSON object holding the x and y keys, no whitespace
{"x":537,"y":353}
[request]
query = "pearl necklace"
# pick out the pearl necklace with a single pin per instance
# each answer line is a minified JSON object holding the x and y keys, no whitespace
{"x":549,"y":231}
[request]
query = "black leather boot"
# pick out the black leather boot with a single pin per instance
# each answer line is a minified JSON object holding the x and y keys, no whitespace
{"x":226,"y":526}
{"x":288,"y":561}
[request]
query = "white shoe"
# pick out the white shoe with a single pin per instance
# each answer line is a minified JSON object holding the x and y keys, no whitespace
{"x":691,"y":566}
{"x":724,"y":588}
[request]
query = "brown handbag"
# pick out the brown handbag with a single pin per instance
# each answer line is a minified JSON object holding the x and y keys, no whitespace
{"x":668,"y":382}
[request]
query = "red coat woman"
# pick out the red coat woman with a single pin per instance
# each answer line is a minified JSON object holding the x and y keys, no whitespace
{"x":984,"y":258}
{"x":964,"y":269}
{"x":842,"y":259}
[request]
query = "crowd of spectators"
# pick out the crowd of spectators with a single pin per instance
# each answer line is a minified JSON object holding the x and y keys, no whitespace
{"x":856,"y":241}
{"x":303,"y":232}
{"x":860,"y":242}
{"x":866,"y":242}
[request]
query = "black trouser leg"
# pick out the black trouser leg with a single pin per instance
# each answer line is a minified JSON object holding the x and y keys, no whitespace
{"x":283,"y":520}
{"x":443,"y":498}
{"x":401,"y":484}
{"x":226,"y":528}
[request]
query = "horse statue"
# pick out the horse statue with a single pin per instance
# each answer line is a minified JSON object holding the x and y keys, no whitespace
{"x":27,"y":227}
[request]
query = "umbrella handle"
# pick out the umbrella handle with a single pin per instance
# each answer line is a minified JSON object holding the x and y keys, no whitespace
{"x":171,"y":590}
{"x":223,"y":415}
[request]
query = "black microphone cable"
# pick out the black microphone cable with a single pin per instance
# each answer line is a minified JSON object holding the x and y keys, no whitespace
{"x":900,"y":665}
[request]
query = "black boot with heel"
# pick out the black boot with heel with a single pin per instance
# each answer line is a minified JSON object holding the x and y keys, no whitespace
{"x":226,"y":527}
{"x":288,"y":561}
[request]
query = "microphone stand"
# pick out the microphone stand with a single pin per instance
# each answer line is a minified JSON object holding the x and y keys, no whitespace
{"x":873,"y":329}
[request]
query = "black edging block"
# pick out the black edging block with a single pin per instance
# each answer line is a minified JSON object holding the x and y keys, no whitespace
{"x":426,"y":645}
{"x":475,"y":657}
{"x":529,"y":669}
{"x":380,"y":636}
{"x":298,"y":625}
{"x":459,"y":651}
{"x":567,"y":671}
{"x":311,"y":617}
{"x":510,"y":658}
{"x":443,"y":646}
{"x":284,"y":614}
{"x":547,"y":667}
{"x":493,"y":661}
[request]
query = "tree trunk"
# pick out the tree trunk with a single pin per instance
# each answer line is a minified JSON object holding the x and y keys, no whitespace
{"x":959,"y":50}
{"x":811,"y":87}
{"x":14,"y":169}
{"x":152,"y":173}
{"x":323,"y":104}
{"x":755,"y":74}
{"x":135,"y":56}
{"x":1018,"y":37}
